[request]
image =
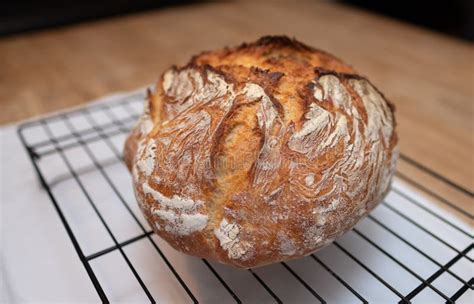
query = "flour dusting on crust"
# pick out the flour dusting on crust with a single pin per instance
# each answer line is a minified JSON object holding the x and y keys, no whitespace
{"x":146,"y":163}
{"x":181,"y":224}
{"x":229,"y":239}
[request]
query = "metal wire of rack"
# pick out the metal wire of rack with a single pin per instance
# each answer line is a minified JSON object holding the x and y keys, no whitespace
{"x":83,"y":183}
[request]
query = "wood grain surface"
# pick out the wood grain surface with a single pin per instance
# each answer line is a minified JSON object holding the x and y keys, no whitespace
{"x":429,"y":77}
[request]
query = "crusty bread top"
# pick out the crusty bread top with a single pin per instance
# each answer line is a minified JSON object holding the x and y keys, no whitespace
{"x":260,"y":152}
{"x":266,"y":61}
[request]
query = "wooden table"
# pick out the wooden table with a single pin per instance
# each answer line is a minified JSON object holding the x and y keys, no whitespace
{"x":428,"y":76}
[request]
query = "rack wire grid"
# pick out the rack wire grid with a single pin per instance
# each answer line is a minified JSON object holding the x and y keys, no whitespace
{"x":405,"y":251}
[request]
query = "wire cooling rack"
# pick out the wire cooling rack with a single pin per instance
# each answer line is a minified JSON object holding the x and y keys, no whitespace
{"x":407,"y":250}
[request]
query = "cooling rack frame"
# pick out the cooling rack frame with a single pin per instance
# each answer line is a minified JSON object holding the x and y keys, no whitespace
{"x":103,"y":132}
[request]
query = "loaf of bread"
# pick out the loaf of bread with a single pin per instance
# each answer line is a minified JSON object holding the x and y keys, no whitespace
{"x":261,"y":153}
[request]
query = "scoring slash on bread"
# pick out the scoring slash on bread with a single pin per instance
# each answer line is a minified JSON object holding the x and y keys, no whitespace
{"x":261,"y":153}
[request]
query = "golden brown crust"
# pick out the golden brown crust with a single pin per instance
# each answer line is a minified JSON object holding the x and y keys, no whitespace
{"x":261,"y":153}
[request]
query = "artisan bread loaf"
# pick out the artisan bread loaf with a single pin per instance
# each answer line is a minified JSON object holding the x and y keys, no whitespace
{"x":261,"y":153}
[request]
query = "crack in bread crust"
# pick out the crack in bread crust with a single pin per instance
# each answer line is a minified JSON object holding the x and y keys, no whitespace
{"x":261,"y":153}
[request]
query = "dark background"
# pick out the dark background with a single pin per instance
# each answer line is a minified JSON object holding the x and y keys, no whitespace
{"x":455,"y":17}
